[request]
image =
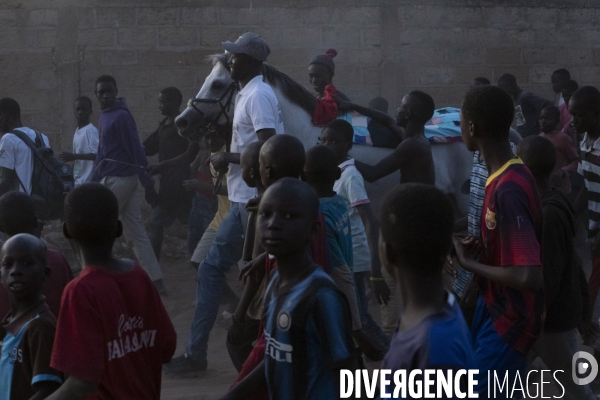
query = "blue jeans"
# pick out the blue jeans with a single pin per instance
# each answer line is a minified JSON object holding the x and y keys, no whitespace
{"x":368,"y":324}
{"x":202,"y":213}
{"x":225,"y":251}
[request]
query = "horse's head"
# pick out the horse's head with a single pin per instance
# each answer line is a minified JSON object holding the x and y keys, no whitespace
{"x":212,"y":109}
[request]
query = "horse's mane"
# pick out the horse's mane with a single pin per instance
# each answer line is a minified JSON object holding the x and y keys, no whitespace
{"x":291,"y":89}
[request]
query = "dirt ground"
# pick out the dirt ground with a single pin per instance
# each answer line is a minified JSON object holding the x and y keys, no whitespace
{"x":180,"y":280}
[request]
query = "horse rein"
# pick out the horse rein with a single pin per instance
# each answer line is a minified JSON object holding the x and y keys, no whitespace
{"x":213,"y":127}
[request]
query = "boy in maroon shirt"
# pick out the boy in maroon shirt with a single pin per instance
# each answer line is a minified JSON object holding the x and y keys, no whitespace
{"x":113,"y":332}
{"x":506,"y":258}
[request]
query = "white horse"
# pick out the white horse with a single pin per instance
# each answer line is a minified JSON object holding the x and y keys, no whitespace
{"x":213,"y":106}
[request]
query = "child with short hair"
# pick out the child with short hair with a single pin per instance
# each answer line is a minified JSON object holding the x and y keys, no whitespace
{"x":17,"y":215}
{"x":307,"y":326}
{"x":27,"y":332}
{"x":321,"y":171}
{"x":85,"y":142}
{"x":208,"y":182}
{"x":338,"y":135}
{"x":112,"y":323}
{"x":565,"y":287}
{"x":174,"y":202}
{"x":262,"y":163}
{"x":508,"y":272}
{"x":416,"y":235}
{"x":567,"y":158}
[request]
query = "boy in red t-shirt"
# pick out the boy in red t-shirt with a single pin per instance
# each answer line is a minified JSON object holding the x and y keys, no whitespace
{"x":510,"y":310}
{"x":17,"y":215}
{"x":113,"y":332}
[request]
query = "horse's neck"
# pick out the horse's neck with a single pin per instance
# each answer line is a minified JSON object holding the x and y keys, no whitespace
{"x":296,"y":121}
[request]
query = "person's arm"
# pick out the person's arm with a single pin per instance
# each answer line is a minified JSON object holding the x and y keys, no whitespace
{"x":9,"y":180}
{"x":127,"y":131}
{"x":381,"y":117}
{"x":571,"y":156}
{"x":249,"y":385}
{"x":265,"y":134}
{"x":386,"y":166}
{"x":382,"y":292}
{"x":151,"y":144}
{"x":44,"y":389}
{"x":581,"y":201}
{"x":527,"y":278}
{"x":184,"y":158}
{"x":555,"y":255}
{"x":74,"y":389}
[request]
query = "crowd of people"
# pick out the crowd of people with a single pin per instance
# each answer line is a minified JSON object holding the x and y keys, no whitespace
{"x":311,"y":249}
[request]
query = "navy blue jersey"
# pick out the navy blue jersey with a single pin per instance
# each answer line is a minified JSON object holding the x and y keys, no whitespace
{"x":308,"y":337}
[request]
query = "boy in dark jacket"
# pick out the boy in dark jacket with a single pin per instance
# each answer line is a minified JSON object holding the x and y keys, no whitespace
{"x":566,"y":295}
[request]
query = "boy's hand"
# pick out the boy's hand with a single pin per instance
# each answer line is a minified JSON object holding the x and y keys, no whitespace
{"x":252,"y":205}
{"x":466,"y":248}
{"x":151,"y":196}
{"x":381,"y":291}
{"x":65,"y":156}
{"x":449,"y":266}
{"x":255,"y":267}
{"x":235,"y":333}
{"x":155,"y":169}
{"x":219,"y":161}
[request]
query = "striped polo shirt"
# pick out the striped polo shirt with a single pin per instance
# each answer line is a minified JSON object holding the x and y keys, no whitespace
{"x":589,"y":168}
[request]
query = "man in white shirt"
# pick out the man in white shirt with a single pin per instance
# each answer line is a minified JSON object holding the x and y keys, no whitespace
{"x":16,"y":158}
{"x":257,"y":116}
{"x":85,"y":142}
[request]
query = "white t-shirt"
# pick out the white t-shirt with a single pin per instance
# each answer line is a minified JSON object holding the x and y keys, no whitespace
{"x":85,"y":141}
{"x":16,"y":155}
{"x":256,"y":108}
{"x":351,"y":187}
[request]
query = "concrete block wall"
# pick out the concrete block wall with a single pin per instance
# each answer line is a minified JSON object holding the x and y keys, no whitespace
{"x":52,"y":50}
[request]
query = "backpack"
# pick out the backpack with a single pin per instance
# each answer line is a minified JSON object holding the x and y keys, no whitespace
{"x":51,"y":179}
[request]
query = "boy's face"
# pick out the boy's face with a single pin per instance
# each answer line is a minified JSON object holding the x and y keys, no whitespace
{"x":557,"y":83}
{"x":214,"y":142}
{"x":23,"y":271}
{"x":247,"y":169}
{"x":466,"y":129}
{"x":335,"y":141}
{"x":107,"y":94}
{"x":548,"y":122}
{"x":82,"y":111}
{"x":319,"y":76}
{"x":403,"y":114}
{"x":166,"y":105}
{"x":283,"y":225}
{"x":584,"y":117}
{"x":567,"y":94}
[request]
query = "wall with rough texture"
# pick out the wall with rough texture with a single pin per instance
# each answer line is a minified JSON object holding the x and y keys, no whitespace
{"x":52,"y":50}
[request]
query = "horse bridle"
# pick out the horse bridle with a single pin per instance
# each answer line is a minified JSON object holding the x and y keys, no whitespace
{"x":215,"y":126}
